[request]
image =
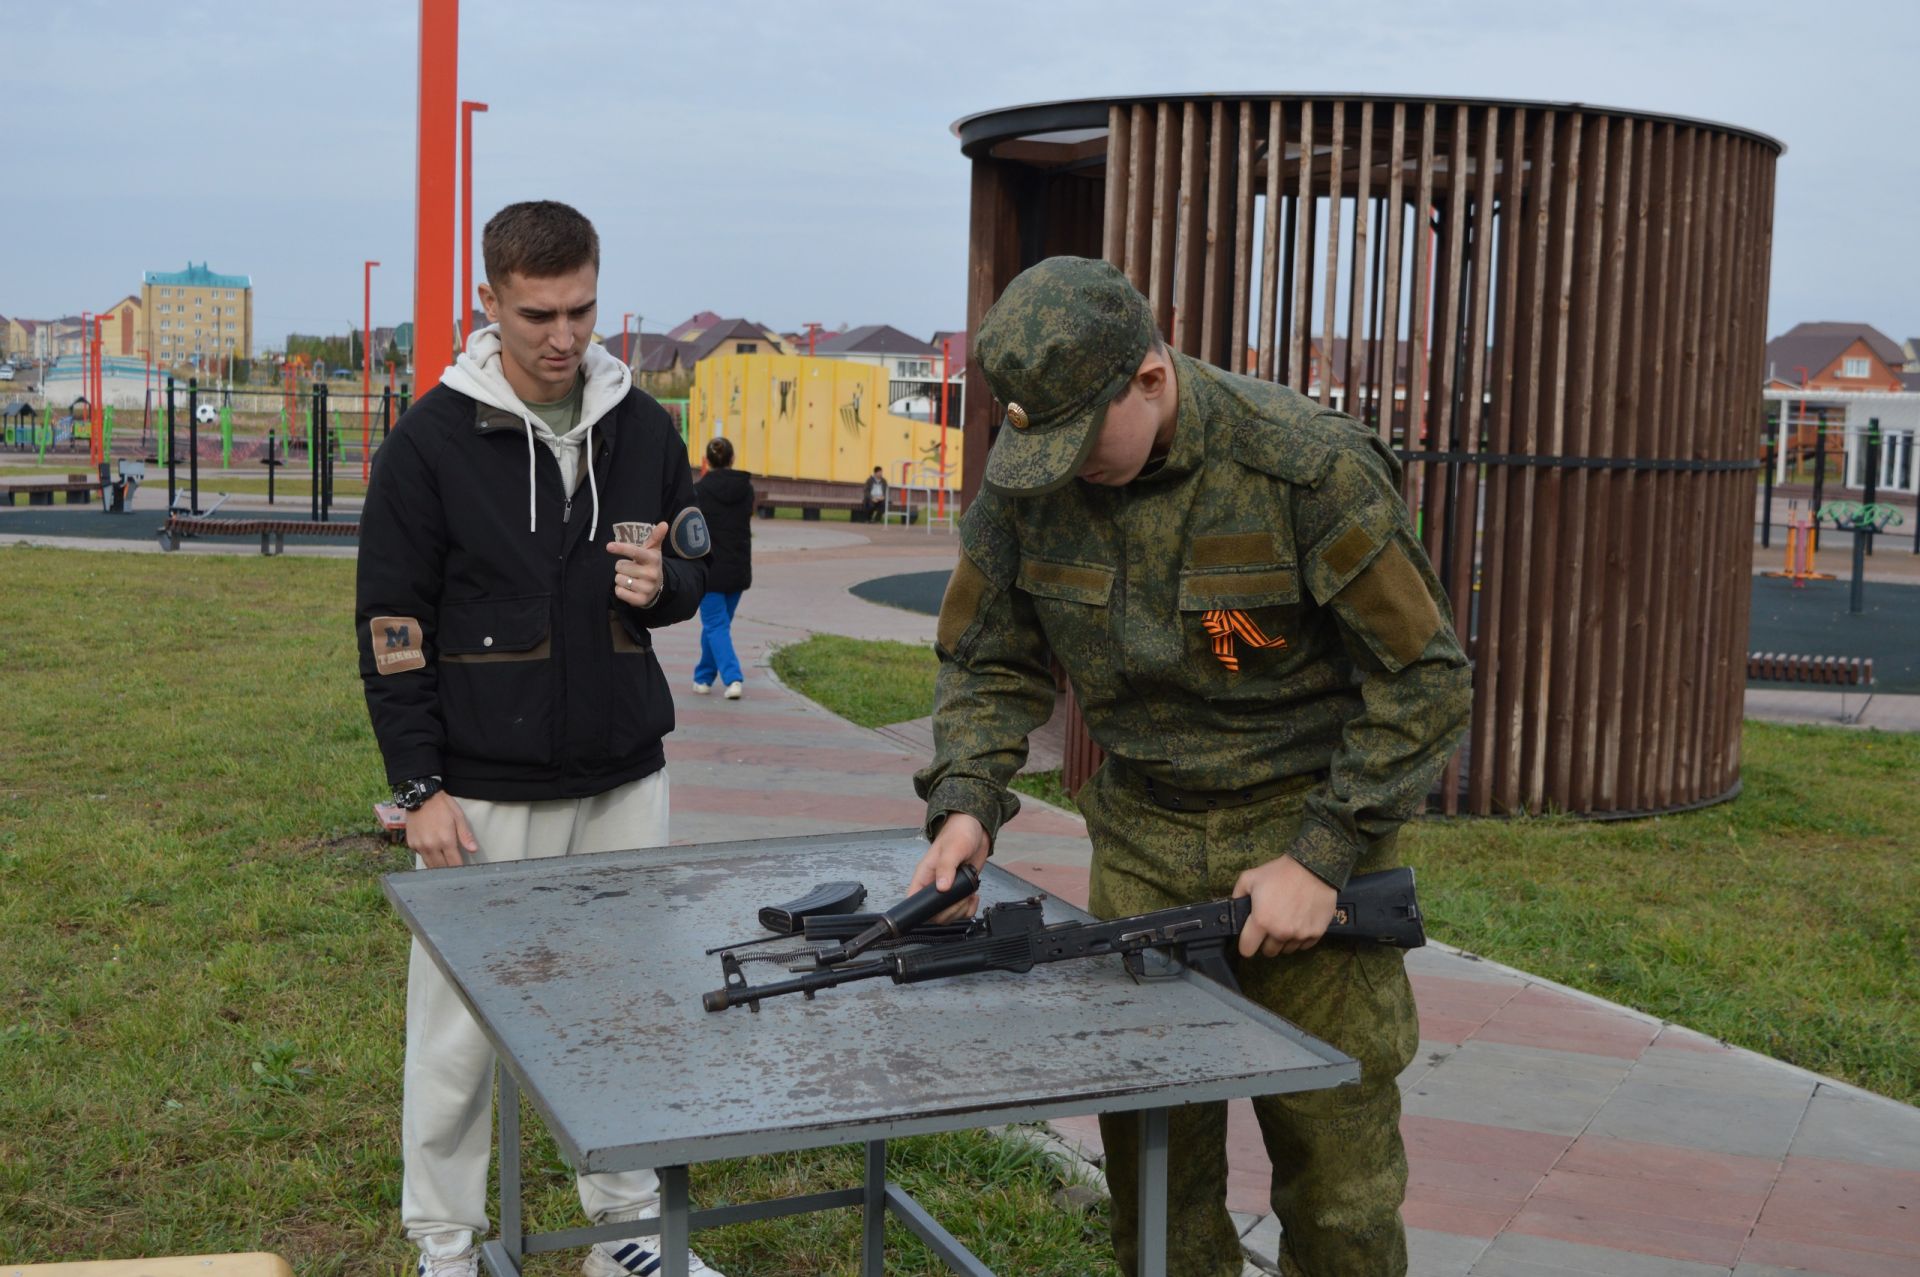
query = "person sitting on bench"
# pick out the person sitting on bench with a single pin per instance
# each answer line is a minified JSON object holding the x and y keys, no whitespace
{"x":873,"y":509}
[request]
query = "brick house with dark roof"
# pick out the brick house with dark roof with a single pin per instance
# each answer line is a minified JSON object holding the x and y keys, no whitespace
{"x":1834,"y":356}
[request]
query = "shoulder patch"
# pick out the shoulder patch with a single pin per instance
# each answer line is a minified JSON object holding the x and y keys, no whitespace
{"x":688,"y":534}
{"x":398,"y":644}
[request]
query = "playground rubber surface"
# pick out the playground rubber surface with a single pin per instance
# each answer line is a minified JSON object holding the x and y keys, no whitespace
{"x":90,"y":521}
{"x":1810,"y":621}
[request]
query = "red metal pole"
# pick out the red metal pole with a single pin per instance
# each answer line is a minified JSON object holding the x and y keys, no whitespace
{"x":366,"y":367}
{"x":464,"y":317}
{"x":96,"y":446}
{"x":433,"y":199}
{"x":625,"y":349}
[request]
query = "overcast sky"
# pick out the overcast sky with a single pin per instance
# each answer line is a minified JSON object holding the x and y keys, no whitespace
{"x":796,"y":162}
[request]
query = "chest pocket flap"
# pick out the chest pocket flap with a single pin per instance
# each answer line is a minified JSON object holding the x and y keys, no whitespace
{"x":495,"y":629}
{"x":1238,"y":589}
{"x":1071,"y":582}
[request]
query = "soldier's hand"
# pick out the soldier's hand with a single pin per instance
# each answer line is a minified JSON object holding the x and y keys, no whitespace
{"x":962,"y":840}
{"x":1292,"y":908}
{"x":638,"y":575}
{"x":438,"y":832}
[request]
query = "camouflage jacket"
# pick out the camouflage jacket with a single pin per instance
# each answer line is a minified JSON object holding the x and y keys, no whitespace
{"x":1256,"y":608}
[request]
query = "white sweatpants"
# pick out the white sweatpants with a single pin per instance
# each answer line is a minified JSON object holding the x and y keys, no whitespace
{"x":446,"y":1110}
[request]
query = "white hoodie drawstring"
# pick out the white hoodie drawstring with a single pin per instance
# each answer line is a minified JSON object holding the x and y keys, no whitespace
{"x":593,"y":485}
{"x":533,"y":505}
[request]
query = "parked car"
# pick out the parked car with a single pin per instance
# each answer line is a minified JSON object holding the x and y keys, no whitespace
{"x":6,"y":372}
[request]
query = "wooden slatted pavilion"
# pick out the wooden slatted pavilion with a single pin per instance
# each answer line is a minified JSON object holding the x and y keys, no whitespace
{"x":1553,"y":312}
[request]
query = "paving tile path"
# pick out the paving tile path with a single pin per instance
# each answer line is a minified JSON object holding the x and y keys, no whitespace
{"x":1549,"y":1133}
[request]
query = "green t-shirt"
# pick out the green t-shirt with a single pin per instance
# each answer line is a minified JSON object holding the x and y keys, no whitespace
{"x":562,"y":415}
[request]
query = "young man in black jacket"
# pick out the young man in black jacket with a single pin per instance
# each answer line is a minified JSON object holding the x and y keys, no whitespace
{"x":506,"y":651}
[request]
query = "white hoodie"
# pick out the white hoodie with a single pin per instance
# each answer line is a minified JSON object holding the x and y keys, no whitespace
{"x":478,"y":374}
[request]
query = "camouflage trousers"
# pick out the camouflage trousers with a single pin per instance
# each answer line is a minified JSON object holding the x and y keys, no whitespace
{"x":1340,"y":1171}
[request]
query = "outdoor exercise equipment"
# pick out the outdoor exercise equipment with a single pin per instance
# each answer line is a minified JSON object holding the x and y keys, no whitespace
{"x":1863,"y":519}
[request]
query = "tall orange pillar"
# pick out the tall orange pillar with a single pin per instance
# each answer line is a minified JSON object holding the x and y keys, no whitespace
{"x":433,"y":200}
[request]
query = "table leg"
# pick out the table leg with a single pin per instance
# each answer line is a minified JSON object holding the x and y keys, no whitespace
{"x":874,"y":1221}
{"x":1153,"y":1193}
{"x":512,"y":1235}
{"x":674,"y":1233}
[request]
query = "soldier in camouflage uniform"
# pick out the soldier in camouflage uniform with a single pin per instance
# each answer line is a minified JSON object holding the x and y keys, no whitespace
{"x":1259,"y":644}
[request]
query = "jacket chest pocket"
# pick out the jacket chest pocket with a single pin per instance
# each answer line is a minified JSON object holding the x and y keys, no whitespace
{"x":1239,"y":621}
{"x":1071,"y":601}
{"x":496,"y":678}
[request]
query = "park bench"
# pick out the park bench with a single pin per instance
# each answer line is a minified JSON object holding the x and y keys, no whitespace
{"x":810,"y":496}
{"x":1823,"y":671}
{"x":78,"y":487}
{"x":273,"y":533}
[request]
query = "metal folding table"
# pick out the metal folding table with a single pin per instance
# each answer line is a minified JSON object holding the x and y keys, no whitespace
{"x":586,"y":972}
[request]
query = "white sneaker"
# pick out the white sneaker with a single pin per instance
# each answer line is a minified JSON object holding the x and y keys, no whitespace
{"x":701,"y":689}
{"x":464,"y":1264}
{"x":733,"y":691}
{"x":635,"y":1258}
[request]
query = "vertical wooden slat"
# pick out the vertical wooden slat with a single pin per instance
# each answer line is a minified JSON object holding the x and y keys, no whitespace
{"x":994,"y":232}
{"x":1605,"y":567}
{"x":1189,"y":259}
{"x":1216,"y":305}
{"x":1271,"y":280}
{"x":1418,"y":320}
{"x":1370,"y":357}
{"x":1389,"y":344}
{"x":1516,"y":640}
{"x":1166,"y":188}
{"x":1302,"y":305}
{"x":1140,"y":187}
{"x":1439,"y":478}
{"x":1543,"y":582}
{"x":1465,"y":539}
{"x":1733,"y":510}
{"x":1355,"y":372}
{"x":1652,"y":417}
{"x":1715,"y":439}
{"x":1242,"y":241}
{"x":1336,"y":147}
{"x":1568,"y":770}
{"x":1113,"y":223}
{"x":1658,"y":789}
{"x":1686,"y":634}
{"x":1489,"y":636}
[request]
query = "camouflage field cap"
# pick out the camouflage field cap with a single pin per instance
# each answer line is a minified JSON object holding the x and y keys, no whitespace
{"x":1065,"y":337}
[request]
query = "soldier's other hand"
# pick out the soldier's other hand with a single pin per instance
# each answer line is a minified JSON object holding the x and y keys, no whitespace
{"x":1292,"y":908}
{"x":638,"y":575}
{"x":962,"y":840}
{"x":438,"y":832}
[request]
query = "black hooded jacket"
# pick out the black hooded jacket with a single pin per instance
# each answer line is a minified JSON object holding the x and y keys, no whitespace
{"x":726,"y":499}
{"x":493,"y":654}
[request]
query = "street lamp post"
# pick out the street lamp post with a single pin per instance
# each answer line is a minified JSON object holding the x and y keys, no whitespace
{"x":366,"y":367}
{"x":465,"y":313}
{"x":624,"y":348}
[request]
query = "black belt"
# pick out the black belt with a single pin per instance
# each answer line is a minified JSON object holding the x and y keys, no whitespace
{"x":1174,"y":798}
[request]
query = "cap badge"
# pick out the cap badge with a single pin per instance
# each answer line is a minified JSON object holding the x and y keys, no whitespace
{"x":1017,"y":415}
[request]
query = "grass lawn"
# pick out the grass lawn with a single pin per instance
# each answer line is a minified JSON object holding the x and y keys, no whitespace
{"x":1787,"y":921}
{"x":201,"y":982}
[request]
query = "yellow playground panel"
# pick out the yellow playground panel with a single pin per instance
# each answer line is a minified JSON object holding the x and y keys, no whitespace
{"x":793,"y":417}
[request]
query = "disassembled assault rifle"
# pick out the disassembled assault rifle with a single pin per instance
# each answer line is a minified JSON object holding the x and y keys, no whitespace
{"x":1376,"y":908}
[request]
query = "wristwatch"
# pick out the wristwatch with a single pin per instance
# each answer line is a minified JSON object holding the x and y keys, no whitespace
{"x":409,"y":794}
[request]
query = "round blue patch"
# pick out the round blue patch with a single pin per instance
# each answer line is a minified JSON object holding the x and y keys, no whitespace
{"x":689,"y":536}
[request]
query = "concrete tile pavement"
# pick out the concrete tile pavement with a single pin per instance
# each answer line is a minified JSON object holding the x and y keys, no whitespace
{"x":1549,"y":1133}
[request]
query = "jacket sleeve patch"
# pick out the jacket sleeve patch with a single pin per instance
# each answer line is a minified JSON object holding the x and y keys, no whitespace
{"x":398,"y":644}
{"x":1391,"y":607}
{"x":960,"y":607}
{"x":688,"y":534}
